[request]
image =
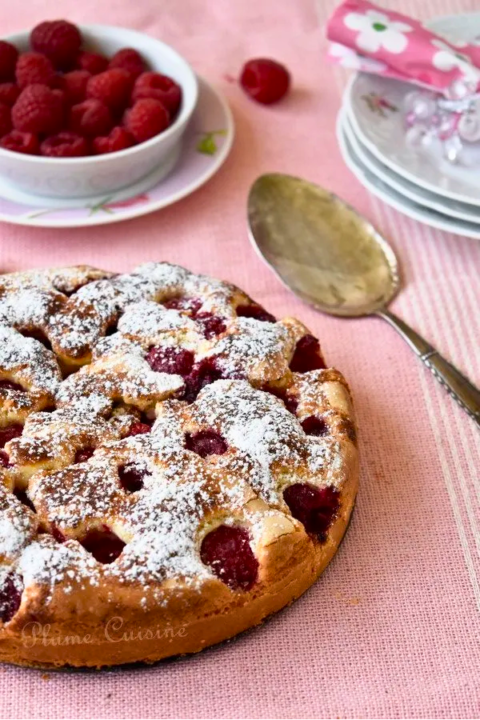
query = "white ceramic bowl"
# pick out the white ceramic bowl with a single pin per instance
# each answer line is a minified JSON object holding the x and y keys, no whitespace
{"x":84,"y":177}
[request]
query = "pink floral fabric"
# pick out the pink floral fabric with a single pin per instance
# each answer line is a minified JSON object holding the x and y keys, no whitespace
{"x":369,"y":38}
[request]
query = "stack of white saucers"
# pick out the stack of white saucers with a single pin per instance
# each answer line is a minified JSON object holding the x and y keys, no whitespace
{"x":415,"y":180}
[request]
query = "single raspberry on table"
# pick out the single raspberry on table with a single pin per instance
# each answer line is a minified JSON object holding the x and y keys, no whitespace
{"x":8,"y":61}
{"x":264,"y":80}
{"x":146,"y":119}
{"x":74,"y":85}
{"x":112,"y":87}
{"x":158,"y":87}
{"x":130,"y":60}
{"x":94,"y":63}
{"x":34,"y":69}
{"x":91,"y":118}
{"x":118,"y":139}
{"x":65,"y":144}
{"x":59,"y":40}
{"x":21,"y":142}
{"x":9,"y":93}
{"x":5,"y":119}
{"x":38,"y":110}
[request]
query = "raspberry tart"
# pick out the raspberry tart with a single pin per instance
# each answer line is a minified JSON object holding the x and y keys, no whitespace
{"x":176,"y":465}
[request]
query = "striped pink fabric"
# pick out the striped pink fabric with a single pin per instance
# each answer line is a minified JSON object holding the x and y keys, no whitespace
{"x":392,"y":628}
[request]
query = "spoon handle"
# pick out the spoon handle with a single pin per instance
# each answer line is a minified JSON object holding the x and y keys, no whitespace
{"x":461,"y":389}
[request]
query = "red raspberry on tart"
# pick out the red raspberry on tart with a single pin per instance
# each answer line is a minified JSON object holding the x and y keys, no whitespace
{"x":155,"y":472}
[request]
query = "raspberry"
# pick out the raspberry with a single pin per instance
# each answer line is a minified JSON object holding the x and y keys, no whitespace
{"x":11,"y":385}
{"x":9,"y":432}
{"x":57,"y":534}
{"x":184,"y":304}
{"x":65,"y":144}
{"x":131,"y":477}
{"x":10,"y":596}
{"x":104,"y":545}
{"x":290,"y":401}
{"x":38,"y":110}
{"x":206,"y":442}
{"x":20,"y":142}
{"x":5,"y":119}
{"x":255,"y":311}
{"x":90,"y":118}
{"x":146,"y":119}
{"x":154,"y":86}
{"x":213,"y":325}
{"x":316,"y":509}
{"x":112,"y":87}
{"x":34,"y":69}
{"x":8,"y":61}
{"x":307,"y":355}
{"x":130,"y":60}
{"x":9,"y":93}
{"x":203,"y":373}
{"x":119,"y":139}
{"x":4,"y":459}
{"x":139,"y":428}
{"x":170,"y":360}
{"x":228,"y":553}
{"x":74,"y":85}
{"x":94,"y":63}
{"x":59,"y":40}
{"x":314,"y":426}
{"x":265,"y":81}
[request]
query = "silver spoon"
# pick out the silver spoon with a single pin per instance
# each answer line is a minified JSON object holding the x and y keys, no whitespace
{"x":334,"y":259}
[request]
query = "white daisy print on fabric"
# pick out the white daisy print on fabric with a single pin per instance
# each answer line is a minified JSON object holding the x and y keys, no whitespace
{"x":376,"y":31}
{"x":447,"y":59}
{"x":348,"y":58}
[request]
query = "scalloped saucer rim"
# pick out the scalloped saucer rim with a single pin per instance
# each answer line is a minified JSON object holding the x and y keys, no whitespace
{"x":206,"y":145}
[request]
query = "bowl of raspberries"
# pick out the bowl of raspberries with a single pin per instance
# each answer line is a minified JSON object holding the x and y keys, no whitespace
{"x":86,"y":110}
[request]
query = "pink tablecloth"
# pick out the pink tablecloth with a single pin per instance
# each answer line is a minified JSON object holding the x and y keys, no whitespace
{"x":392,"y":628}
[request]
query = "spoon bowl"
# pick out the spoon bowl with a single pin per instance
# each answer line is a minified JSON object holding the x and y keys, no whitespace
{"x":334,"y":259}
{"x":320,"y":247}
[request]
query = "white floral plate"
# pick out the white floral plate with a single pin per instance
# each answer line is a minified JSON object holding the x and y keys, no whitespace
{"x":374,"y":106}
{"x":452,"y":208}
{"x":396,"y":200}
{"x":206,"y":145}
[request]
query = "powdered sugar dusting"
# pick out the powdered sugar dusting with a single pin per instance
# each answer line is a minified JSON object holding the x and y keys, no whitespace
{"x":109,"y":324}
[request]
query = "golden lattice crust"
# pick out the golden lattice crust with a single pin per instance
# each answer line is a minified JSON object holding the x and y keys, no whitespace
{"x":76,"y":372}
